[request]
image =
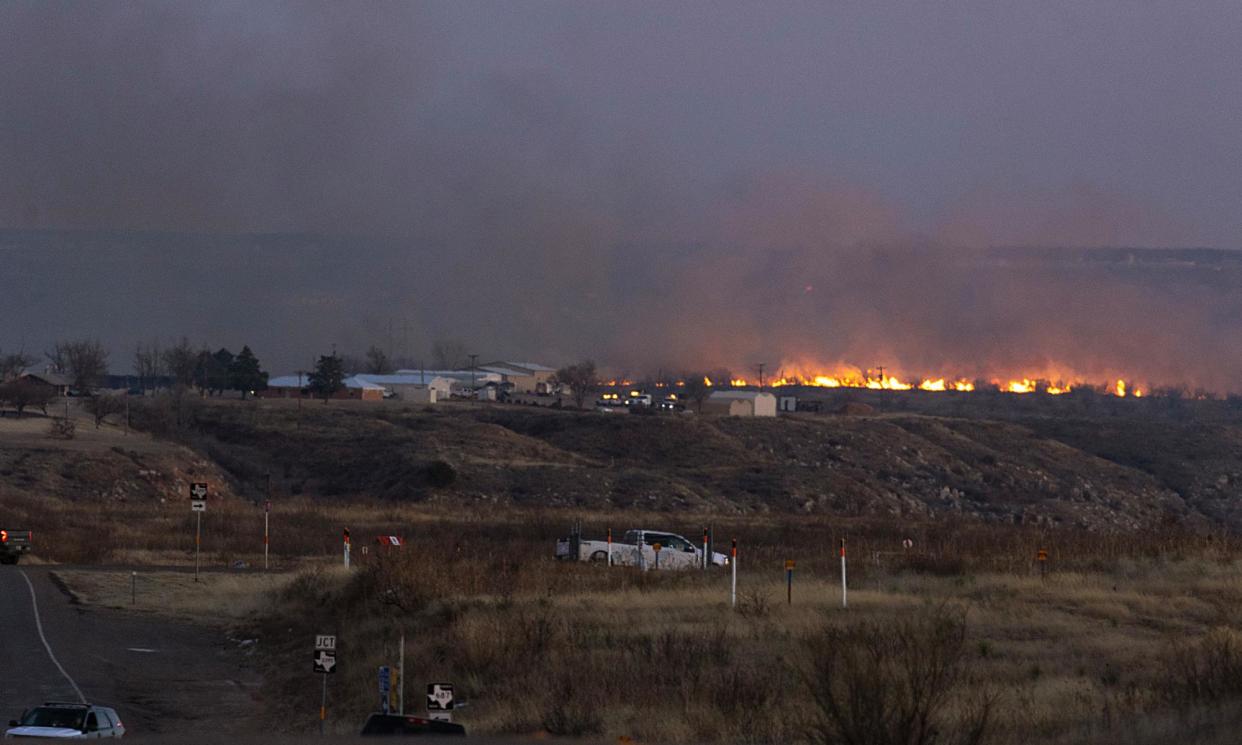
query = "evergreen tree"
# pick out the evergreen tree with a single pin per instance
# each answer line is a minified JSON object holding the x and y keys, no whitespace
{"x":245,"y":373}
{"x":220,"y":371}
{"x":328,"y":377}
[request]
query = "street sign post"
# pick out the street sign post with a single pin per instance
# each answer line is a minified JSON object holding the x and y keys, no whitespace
{"x":325,"y":665}
{"x":789,"y":567}
{"x":198,"y":505}
{"x":440,"y":701}
{"x":385,"y":687}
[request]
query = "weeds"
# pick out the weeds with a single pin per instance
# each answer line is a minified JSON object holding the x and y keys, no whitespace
{"x":896,"y":683}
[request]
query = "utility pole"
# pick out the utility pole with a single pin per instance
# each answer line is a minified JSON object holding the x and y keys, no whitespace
{"x":881,"y":368}
{"x":473,"y":358}
{"x":761,"y":366}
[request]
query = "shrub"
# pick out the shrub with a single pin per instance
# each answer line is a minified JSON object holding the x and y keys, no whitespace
{"x":1206,"y":672}
{"x":896,"y":683}
{"x":62,"y":428}
{"x":440,"y":474}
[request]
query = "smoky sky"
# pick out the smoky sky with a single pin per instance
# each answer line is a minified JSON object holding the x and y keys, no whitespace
{"x":650,"y":184}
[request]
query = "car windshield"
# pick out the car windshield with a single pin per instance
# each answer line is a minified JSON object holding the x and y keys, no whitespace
{"x":47,"y":716}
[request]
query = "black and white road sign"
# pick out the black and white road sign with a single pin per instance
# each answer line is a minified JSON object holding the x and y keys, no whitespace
{"x":439,"y":697}
{"x":198,"y":497}
{"x":325,"y":662}
{"x":325,"y":642}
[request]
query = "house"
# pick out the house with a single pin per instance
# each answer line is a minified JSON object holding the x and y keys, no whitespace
{"x":522,"y":377}
{"x":462,"y":381}
{"x":740,"y":403}
{"x":413,"y":387}
{"x":296,"y":386}
{"x":57,"y":381}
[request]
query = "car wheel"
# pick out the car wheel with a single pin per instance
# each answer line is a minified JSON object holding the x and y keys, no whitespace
{"x":599,"y":556}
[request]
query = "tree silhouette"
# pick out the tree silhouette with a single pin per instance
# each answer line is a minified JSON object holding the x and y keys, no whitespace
{"x":327,"y":378}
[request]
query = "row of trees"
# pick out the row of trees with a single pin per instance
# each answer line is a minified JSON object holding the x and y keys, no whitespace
{"x":85,"y":363}
{"x":212,"y":372}
{"x":446,"y":354}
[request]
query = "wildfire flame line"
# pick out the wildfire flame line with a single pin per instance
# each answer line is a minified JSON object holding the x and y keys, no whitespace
{"x":1120,"y":388}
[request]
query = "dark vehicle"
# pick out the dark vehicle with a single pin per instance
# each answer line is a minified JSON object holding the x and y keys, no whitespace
{"x":398,"y":725}
{"x":56,"y":720}
{"x":14,"y":543}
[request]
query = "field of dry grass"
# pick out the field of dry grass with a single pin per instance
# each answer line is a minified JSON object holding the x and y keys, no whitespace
{"x":1131,"y":636}
{"x":1122,"y":641}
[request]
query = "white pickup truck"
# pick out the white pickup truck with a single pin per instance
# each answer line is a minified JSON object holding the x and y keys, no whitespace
{"x":638,"y":548}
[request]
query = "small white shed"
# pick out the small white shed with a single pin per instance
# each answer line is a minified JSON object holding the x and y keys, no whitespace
{"x":740,"y":403}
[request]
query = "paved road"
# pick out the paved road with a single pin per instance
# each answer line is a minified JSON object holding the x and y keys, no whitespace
{"x":162,"y":676}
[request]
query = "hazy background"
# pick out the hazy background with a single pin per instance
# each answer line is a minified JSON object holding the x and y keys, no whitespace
{"x":651,"y":184}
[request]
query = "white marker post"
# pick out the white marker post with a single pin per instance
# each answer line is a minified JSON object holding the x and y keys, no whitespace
{"x":347,"y":548}
{"x":198,"y":504}
{"x":707,"y":556}
{"x":733,"y":562}
{"x":844,"y":598}
{"x":267,"y":509}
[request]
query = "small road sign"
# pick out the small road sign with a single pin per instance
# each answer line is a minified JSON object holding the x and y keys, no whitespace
{"x":439,"y":697}
{"x":385,"y":687}
{"x":198,"y":497}
{"x":325,"y":642}
{"x":325,"y":662}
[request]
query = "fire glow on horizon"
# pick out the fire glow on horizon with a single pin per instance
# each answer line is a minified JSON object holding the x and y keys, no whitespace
{"x":846,"y":377}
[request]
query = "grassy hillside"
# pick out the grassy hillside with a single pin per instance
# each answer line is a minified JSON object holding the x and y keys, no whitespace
{"x":1100,"y":473}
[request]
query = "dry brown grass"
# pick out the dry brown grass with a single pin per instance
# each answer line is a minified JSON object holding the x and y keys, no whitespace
{"x":537,"y":645}
{"x":534,"y":645}
{"x":218,"y":599}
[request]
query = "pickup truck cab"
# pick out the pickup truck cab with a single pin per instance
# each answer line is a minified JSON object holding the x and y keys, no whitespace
{"x":14,"y":543}
{"x":638,"y":548}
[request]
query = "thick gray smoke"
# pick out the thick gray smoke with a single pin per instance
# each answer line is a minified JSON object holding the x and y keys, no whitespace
{"x":703,"y":185}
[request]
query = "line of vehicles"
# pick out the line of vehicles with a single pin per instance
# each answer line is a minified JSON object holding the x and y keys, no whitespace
{"x":617,"y":402}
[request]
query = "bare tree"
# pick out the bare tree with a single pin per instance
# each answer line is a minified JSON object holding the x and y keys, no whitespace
{"x":696,"y":389}
{"x":377,"y":361}
{"x":180,"y":362}
{"x":85,"y":361}
{"x":103,"y":406}
{"x":21,"y":395}
{"x":13,"y":364}
{"x":148,"y":364}
{"x":581,"y":380}
{"x":448,"y":354}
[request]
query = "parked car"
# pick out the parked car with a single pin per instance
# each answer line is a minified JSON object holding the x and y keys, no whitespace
{"x":66,"y":720}
{"x":14,"y":543}
{"x":638,"y":548}
{"x":397,"y":724}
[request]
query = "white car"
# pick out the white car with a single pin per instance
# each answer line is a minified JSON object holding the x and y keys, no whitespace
{"x":67,"y":720}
